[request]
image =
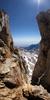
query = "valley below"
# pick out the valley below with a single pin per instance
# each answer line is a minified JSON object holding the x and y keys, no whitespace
{"x":29,"y":57}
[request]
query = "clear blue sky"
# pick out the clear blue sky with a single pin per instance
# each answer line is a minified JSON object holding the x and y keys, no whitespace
{"x":22,"y":15}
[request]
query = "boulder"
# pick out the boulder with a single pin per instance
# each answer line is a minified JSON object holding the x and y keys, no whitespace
{"x":35,"y":92}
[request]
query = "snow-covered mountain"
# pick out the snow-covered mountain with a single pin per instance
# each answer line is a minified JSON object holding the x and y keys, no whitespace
{"x":30,"y":58}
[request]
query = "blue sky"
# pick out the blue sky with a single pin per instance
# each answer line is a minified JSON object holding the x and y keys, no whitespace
{"x":22,"y":15}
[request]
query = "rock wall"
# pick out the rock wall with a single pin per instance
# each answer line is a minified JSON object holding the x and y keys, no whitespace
{"x":11,"y":75}
{"x":4,"y":30}
{"x":41,"y":73}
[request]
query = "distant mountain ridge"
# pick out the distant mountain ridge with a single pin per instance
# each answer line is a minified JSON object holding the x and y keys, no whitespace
{"x":32,"y":46}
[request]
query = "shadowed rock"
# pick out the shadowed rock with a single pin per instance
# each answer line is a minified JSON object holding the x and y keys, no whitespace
{"x":41,"y":73}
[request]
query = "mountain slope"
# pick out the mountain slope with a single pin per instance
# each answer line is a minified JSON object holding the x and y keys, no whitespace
{"x":30,"y":60}
{"x":32,"y":46}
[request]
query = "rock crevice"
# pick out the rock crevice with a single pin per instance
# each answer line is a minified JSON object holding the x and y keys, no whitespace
{"x":13,"y":79}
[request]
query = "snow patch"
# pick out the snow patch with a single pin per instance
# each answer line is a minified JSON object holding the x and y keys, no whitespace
{"x":30,"y":60}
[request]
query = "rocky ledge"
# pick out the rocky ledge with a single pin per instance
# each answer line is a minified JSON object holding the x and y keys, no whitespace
{"x":13,"y":74}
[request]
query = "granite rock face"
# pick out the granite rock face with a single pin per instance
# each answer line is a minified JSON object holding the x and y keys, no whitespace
{"x":11,"y":75}
{"x":5,"y":31}
{"x":41,"y":73}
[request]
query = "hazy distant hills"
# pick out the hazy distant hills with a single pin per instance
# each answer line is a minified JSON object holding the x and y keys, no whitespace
{"x":32,"y":47}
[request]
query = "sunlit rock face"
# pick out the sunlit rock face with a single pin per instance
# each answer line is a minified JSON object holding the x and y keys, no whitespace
{"x":4,"y":30}
{"x":6,"y":42}
{"x":41,"y":73}
{"x":11,"y":76}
